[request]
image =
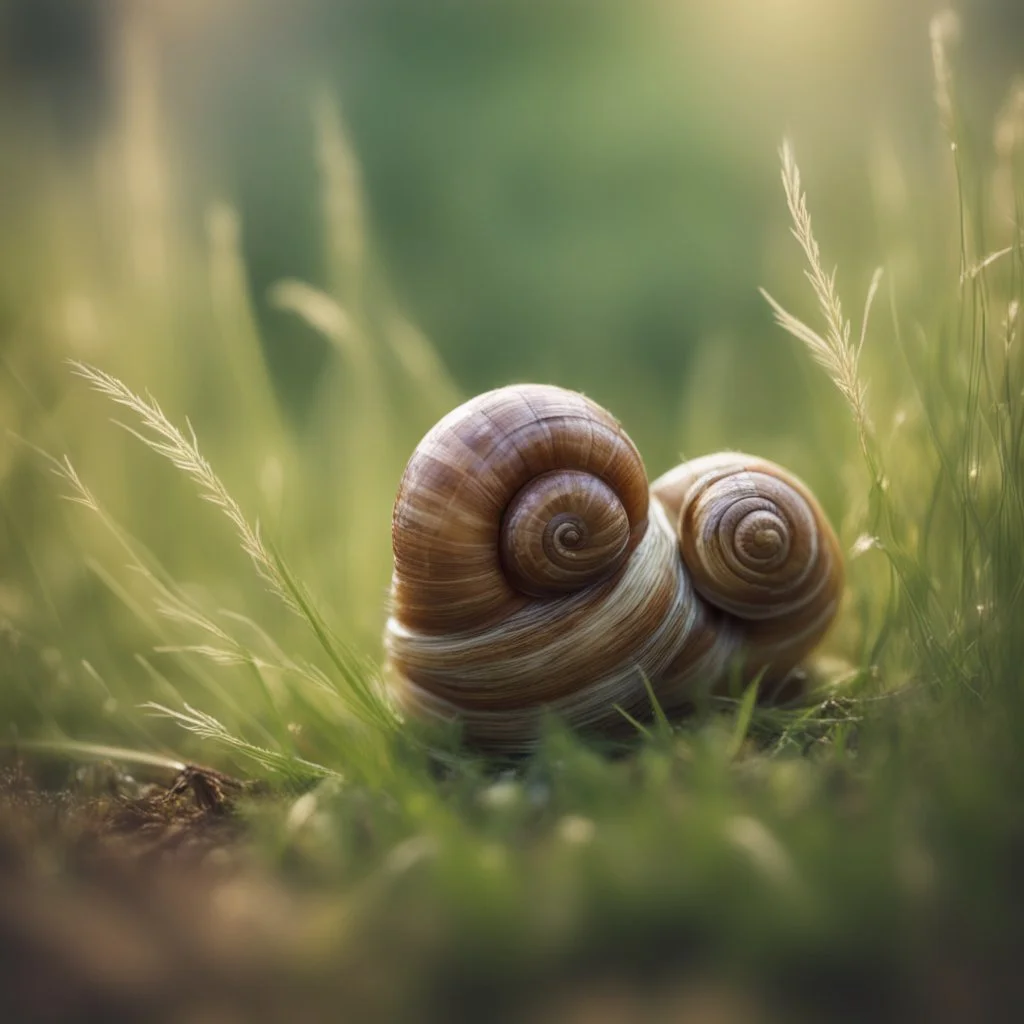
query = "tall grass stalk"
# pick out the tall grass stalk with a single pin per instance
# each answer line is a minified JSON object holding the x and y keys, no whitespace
{"x":835,"y":351}
{"x":946,"y":604}
{"x":362,"y":691}
{"x":174,"y":607}
{"x":183,"y":452}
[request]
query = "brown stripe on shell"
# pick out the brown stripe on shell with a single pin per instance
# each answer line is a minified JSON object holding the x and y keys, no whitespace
{"x":710,"y":645}
{"x":781,"y":644}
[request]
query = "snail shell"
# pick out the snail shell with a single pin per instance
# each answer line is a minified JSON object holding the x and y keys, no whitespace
{"x":757,"y":545}
{"x":534,"y":570}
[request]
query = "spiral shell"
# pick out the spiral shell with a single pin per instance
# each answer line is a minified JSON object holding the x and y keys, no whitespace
{"x":534,"y":571}
{"x":758,"y":546}
{"x":504,"y":458}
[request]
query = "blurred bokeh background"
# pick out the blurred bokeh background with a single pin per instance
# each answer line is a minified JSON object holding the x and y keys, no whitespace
{"x":308,"y":229}
{"x":584,"y":193}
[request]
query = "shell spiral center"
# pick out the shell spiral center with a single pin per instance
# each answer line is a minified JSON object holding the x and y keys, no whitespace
{"x":751,"y":541}
{"x":563,"y":531}
{"x":756,"y":534}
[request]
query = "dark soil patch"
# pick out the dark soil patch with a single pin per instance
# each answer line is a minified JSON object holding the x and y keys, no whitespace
{"x":128,"y":901}
{"x":106,"y":813}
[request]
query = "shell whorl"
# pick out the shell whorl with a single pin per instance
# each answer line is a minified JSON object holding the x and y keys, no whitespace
{"x":500,"y":502}
{"x":759,"y":547}
{"x":534,"y":570}
{"x":562,"y":532}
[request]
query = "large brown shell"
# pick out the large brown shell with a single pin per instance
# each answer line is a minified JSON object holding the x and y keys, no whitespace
{"x":504,"y":453}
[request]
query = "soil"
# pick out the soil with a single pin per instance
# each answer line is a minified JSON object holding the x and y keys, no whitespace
{"x":137,"y":901}
{"x":129,"y":901}
{"x":123,"y":901}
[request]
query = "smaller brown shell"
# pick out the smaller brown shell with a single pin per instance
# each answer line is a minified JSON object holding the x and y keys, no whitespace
{"x":759,"y":547}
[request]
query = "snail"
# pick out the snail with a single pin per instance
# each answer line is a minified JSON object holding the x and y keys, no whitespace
{"x":534,"y":569}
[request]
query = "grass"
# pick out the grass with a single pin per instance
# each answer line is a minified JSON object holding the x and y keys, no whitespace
{"x":852,"y":859}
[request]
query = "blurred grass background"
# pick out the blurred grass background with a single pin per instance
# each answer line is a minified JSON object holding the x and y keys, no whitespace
{"x":311,"y":228}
